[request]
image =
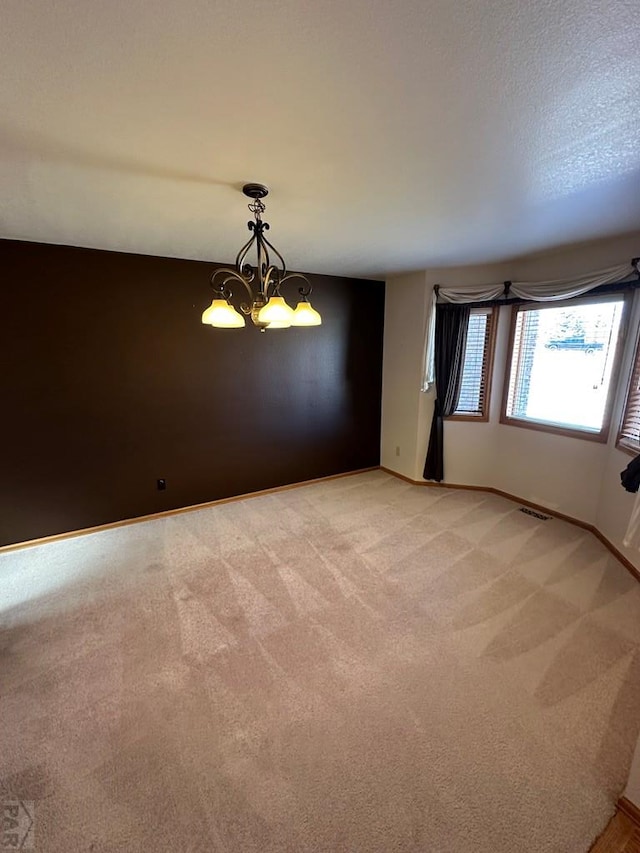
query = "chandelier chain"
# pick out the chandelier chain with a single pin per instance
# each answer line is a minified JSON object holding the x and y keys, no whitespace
{"x":257,"y":208}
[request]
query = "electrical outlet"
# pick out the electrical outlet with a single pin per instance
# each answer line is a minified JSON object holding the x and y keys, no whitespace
{"x":162,"y":485}
{"x":398,"y":450}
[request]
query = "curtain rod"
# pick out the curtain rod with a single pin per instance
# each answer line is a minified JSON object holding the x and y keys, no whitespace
{"x":516,"y":300}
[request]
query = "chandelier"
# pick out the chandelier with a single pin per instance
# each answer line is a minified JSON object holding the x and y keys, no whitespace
{"x":262,"y":282}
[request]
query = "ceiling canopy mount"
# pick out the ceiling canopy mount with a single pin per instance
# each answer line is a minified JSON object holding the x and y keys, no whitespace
{"x":255,"y":191}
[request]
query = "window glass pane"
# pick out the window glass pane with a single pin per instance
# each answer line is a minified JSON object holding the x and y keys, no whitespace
{"x":561,"y":364}
{"x":471,"y":386}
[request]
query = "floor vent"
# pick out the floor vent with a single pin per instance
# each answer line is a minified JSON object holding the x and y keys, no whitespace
{"x":535,"y":514}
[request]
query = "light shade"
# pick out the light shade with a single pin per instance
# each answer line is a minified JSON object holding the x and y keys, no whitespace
{"x":276,"y":314}
{"x":274,"y":324}
{"x":306,"y":315}
{"x":222,"y":315}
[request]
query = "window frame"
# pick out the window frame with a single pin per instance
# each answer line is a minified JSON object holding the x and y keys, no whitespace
{"x":492,"y":313}
{"x":542,"y":426}
{"x":622,"y":443}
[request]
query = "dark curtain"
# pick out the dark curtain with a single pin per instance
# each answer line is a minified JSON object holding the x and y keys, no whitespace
{"x":452,"y":323}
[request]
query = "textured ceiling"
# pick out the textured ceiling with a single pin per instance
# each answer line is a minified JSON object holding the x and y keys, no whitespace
{"x":394,"y":135}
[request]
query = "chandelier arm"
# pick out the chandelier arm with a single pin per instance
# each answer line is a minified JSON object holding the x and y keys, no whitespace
{"x":272,"y":279}
{"x":283,"y":266}
{"x":231,"y":275}
{"x":242,"y":254}
{"x":264,"y":261}
{"x":303,"y":291}
{"x":216,"y":274}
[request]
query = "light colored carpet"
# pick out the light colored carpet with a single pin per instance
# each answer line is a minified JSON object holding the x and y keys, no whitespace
{"x":356,"y":665}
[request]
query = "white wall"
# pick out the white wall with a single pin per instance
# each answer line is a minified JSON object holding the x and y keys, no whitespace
{"x":615,"y":505}
{"x":405,"y":314}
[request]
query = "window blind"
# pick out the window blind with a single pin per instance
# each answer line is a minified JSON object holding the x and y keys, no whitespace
{"x":473,"y":387}
{"x":630,"y":429}
{"x":524,"y":347}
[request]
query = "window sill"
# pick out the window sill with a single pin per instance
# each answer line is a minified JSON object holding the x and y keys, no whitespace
{"x":567,"y":432}
{"x":469,"y":418}
{"x":627,"y":448}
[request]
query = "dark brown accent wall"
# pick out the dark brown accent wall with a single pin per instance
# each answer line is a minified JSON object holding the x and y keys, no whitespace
{"x":110,"y":381}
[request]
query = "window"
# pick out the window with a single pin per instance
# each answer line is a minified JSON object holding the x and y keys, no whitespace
{"x":629,"y":435}
{"x":476,"y":372}
{"x":562,"y":364}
